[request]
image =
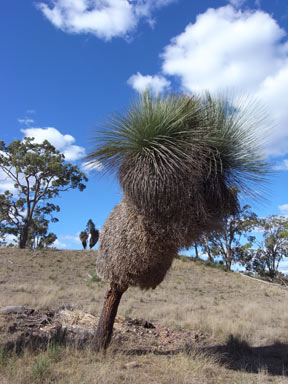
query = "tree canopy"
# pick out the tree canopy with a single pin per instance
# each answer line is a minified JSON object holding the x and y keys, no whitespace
{"x":38,"y":173}
{"x":265,"y":258}
{"x":227,"y":241}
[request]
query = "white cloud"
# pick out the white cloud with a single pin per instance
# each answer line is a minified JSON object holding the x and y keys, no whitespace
{"x":237,"y":3}
{"x":273,"y":93}
{"x":26,"y":121}
{"x":5,"y":181}
{"x":281,"y":166}
{"x":103,"y":18}
{"x":5,"y":184}
{"x":156,"y":84}
{"x":59,"y":244}
{"x":246,"y":51}
{"x":10,"y":239}
{"x":257,"y":230}
{"x":64,"y":143}
{"x":73,"y":152}
{"x":226,"y":48}
{"x":283,"y":209}
{"x":74,"y":239}
{"x":283,"y":267}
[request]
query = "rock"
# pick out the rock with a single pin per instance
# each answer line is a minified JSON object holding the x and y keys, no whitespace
{"x":132,"y":364}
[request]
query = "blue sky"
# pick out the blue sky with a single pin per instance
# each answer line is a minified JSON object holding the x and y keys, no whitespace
{"x":68,"y":64}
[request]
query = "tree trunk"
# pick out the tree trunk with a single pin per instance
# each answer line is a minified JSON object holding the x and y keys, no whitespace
{"x":228,"y":259}
{"x":105,"y":325}
{"x":24,"y":237}
{"x":196,"y":251}
{"x":228,"y":264}
{"x":210,"y":257}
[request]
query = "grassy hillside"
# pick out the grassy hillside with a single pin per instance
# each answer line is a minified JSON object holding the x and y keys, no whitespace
{"x":217,"y":327}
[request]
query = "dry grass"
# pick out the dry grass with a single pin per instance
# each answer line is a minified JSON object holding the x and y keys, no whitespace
{"x":192,"y":298}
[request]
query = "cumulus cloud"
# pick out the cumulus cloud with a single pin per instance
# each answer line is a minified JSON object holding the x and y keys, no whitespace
{"x":227,"y":48}
{"x":103,"y":18}
{"x":64,"y":143}
{"x":283,"y":209}
{"x":155,"y":84}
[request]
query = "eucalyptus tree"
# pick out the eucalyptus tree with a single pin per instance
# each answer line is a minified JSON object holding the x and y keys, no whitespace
{"x":38,"y":173}
{"x":265,"y":255}
{"x":176,"y":157}
{"x":38,"y":236}
{"x":226,"y":242}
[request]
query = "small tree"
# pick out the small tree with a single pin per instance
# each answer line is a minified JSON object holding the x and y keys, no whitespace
{"x":83,"y":238}
{"x":48,"y":240}
{"x":226,"y":242}
{"x":94,"y":233}
{"x":271,"y":250}
{"x":38,"y":173}
{"x":38,"y":236}
{"x":206,"y":247}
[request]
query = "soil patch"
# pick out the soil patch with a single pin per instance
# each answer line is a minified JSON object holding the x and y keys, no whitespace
{"x":22,"y":327}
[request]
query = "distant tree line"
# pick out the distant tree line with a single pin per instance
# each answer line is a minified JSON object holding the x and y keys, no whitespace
{"x":260,"y":253}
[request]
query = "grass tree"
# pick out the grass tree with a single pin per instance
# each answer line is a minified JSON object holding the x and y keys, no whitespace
{"x":176,"y":157}
{"x":83,"y":236}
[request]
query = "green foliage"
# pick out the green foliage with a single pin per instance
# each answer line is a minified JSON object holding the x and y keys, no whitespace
{"x":41,"y":367}
{"x":226,"y":242}
{"x":39,"y":173}
{"x":95,"y":278}
{"x":38,"y":236}
{"x":167,"y":130}
{"x":2,"y":356}
{"x":183,"y":258}
{"x":265,"y":258}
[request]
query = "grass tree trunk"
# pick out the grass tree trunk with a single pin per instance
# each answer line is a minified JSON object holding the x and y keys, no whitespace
{"x":105,"y":325}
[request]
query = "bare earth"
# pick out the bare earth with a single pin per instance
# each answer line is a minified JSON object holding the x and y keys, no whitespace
{"x":201,"y":325}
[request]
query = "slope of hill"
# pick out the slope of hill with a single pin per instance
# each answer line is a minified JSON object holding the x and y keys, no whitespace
{"x":210,"y":326}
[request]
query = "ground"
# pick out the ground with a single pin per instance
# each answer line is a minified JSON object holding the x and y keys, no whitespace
{"x":201,"y":325}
